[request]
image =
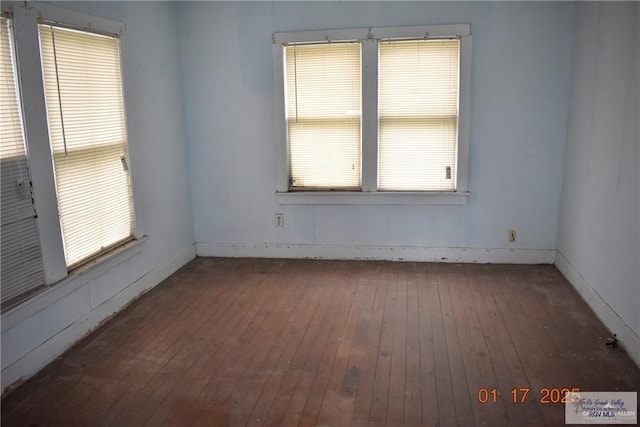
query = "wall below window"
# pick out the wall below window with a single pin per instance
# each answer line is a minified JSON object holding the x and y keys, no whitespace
{"x":599,"y":236}
{"x":36,"y":332}
{"x":519,"y":104}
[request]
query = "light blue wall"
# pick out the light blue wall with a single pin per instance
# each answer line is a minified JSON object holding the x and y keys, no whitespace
{"x":519,"y":105}
{"x":600,"y":218}
{"x":39,"y":330}
{"x":155,"y":117}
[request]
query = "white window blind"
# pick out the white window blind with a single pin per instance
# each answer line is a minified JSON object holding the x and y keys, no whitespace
{"x":85,"y":113}
{"x":323,"y":99}
{"x":21,"y":255}
{"x":418,"y":114}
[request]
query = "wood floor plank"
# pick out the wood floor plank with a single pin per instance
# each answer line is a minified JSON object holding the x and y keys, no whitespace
{"x":339,"y":397}
{"x":271,"y":406}
{"x":162,"y":376}
{"x":307,"y":342}
{"x":452,"y":326}
{"x":276,"y":364}
{"x":252,"y":348}
{"x":219,"y":330}
{"x":397,"y":374}
{"x":146,"y":348}
{"x":288,"y":410}
{"x":368,"y":343}
{"x":462,"y":311}
{"x":444,"y":386}
{"x":380,"y":397}
{"x":322,"y":375}
{"x":412,"y":351}
{"x":484,"y":376}
{"x":488,"y":314}
{"x":237,"y":327}
{"x":427,"y":300}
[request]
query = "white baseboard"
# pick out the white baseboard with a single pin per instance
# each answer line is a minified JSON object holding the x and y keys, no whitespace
{"x":629,"y":339}
{"x":46,"y":352}
{"x":365,"y":252}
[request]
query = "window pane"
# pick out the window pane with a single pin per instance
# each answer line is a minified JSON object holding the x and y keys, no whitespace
{"x":20,"y":246}
{"x":418,"y":114}
{"x":323,"y":114}
{"x":85,"y":113}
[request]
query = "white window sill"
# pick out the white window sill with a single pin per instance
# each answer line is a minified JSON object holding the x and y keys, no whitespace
{"x":371,"y":198}
{"x":75,"y":280}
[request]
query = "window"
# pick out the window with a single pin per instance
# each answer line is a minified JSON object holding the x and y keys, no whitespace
{"x":377,"y":114}
{"x":63,"y":152}
{"x":418,"y":114}
{"x":323,"y":114}
{"x":21,"y":268}
{"x":85,"y":114}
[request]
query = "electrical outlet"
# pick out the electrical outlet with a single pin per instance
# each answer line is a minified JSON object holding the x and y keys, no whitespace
{"x":279,"y":220}
{"x":512,"y":235}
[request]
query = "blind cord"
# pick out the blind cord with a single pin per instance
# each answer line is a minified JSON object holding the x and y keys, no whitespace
{"x":55,"y":61}
{"x":295,"y":77}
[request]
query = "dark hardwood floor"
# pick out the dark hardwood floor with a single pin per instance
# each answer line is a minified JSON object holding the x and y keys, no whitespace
{"x":332,"y":343}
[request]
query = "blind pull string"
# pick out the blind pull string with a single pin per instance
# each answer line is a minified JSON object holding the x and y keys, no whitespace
{"x":55,"y":61}
{"x":295,"y":76}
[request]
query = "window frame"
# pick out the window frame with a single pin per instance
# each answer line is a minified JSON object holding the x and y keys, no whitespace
{"x":26,"y":20}
{"x":35,"y":265}
{"x":369,"y":193}
{"x":93,"y":152}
